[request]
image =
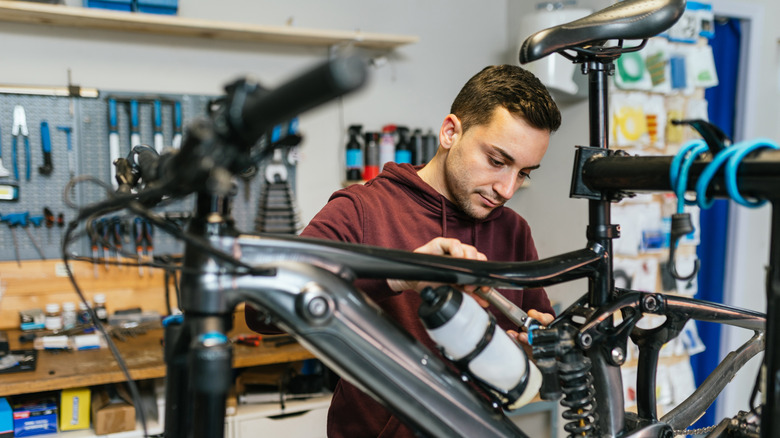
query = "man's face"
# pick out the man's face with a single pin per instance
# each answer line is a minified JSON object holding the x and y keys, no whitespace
{"x":488,"y":163}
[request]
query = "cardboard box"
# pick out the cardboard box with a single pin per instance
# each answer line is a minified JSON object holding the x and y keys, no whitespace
{"x":74,"y":409}
{"x":35,"y":417}
{"x":112,"y":410}
{"x":6,"y":419}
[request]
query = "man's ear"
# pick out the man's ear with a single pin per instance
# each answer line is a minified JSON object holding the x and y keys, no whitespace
{"x":451,"y":130}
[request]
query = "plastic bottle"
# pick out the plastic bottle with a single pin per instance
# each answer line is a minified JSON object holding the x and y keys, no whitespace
{"x":430,"y":144}
{"x":354,"y":154}
{"x":462,"y":329}
{"x":53,"y":319}
{"x":69,"y":317}
{"x":83,"y":314}
{"x":403,"y":150}
{"x":100,"y":307}
{"x":371,"y":168}
{"x":416,"y":145}
{"x":387,"y":145}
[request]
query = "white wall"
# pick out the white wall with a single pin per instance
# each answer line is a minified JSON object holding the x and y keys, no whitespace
{"x":416,"y":87}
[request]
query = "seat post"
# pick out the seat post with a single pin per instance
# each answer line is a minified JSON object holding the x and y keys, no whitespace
{"x":600,"y":229}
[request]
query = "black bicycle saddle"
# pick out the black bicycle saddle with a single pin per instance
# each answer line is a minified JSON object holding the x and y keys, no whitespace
{"x":625,"y":20}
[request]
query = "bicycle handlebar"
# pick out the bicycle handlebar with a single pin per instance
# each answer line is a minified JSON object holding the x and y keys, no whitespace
{"x":214,"y":149}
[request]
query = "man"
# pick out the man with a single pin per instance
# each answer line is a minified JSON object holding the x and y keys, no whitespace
{"x":497,"y":133}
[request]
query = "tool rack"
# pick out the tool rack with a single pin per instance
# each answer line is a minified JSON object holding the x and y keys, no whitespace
{"x":88,"y":117}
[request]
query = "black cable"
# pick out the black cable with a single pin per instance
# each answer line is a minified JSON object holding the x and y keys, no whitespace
{"x":66,"y":240}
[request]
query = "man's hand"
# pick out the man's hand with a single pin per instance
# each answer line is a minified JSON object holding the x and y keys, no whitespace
{"x":544,"y":319}
{"x":443,"y":246}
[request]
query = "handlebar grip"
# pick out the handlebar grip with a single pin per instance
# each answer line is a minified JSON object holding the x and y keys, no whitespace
{"x":148,"y":161}
{"x":252,"y":114}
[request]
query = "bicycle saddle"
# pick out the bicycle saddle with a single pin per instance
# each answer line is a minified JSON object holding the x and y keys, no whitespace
{"x":625,"y":20}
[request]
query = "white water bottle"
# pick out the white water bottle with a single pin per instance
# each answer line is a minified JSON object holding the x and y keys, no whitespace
{"x":469,"y":337}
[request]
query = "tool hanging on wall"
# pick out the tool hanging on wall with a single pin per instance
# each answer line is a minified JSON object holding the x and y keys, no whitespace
{"x":117,"y":231}
{"x":135,"y":128}
{"x":22,"y":220}
{"x":93,"y":240}
{"x":113,"y":140}
{"x":277,"y":212}
{"x":3,"y":171}
{"x":48,"y":166}
{"x":144,"y":242}
{"x":177,"y":123}
{"x":71,"y":154}
{"x":20,"y":128}
{"x":158,"y":129}
{"x":48,"y":217}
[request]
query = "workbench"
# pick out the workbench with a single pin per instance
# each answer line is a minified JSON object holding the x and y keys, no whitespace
{"x":143,"y":355}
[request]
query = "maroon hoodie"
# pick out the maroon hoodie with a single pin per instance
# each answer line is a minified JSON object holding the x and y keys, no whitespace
{"x":397,"y":209}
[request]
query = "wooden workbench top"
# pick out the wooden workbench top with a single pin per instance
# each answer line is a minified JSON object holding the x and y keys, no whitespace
{"x":143,"y":355}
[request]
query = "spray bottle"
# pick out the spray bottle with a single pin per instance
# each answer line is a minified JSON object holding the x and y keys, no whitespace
{"x":416,"y":145}
{"x":354,"y":153}
{"x":387,"y":145}
{"x":371,"y":168}
{"x":469,"y":337}
{"x":430,"y":144}
{"x":403,"y":150}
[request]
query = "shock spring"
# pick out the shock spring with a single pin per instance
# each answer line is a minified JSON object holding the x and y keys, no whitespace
{"x":578,"y":394}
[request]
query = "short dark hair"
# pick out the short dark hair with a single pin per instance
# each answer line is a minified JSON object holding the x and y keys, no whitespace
{"x":511,"y":87}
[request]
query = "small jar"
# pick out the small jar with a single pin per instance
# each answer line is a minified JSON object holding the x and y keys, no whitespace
{"x":83,"y":315}
{"x":69,"y":316}
{"x":100,"y":307}
{"x":53,"y":317}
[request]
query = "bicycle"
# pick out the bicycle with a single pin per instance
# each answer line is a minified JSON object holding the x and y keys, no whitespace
{"x":305,"y":286}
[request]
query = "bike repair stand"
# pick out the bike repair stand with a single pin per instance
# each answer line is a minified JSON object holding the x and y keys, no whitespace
{"x":198,"y":354}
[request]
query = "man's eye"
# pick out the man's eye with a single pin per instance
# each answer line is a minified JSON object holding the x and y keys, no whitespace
{"x":525,"y":175}
{"x":495,"y":162}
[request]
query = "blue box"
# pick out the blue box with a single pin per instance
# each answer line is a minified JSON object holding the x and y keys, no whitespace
{"x":35,"y":418}
{"x":6,"y":419}
{"x":116,"y":5}
{"x":167,"y":7}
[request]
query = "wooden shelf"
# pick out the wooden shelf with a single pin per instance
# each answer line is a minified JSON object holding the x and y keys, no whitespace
{"x":144,"y":357}
{"x":90,"y":18}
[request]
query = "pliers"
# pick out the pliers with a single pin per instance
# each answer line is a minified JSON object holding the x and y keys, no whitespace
{"x":20,"y":127}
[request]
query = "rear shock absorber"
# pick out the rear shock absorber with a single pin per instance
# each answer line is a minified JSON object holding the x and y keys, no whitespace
{"x":578,"y":394}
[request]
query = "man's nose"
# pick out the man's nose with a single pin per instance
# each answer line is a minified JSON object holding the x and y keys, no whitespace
{"x":506,"y":186}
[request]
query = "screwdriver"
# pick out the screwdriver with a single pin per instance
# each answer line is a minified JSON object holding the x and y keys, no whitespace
{"x":93,"y":236}
{"x":116,"y":228}
{"x":148,"y":236}
{"x":105,"y":229}
{"x":509,"y":309}
{"x":48,"y":216}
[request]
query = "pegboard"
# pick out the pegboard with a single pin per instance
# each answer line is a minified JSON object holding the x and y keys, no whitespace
{"x":89,"y":122}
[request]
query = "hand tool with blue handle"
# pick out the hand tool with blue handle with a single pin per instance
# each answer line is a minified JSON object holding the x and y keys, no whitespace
{"x":71,"y":157}
{"x":20,"y":220}
{"x":3,"y":171}
{"x":158,"y":130}
{"x":176,"y":142}
{"x":20,"y":128}
{"x":116,"y":235}
{"x":135,"y":129}
{"x":47,"y":167}
{"x":113,"y":140}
